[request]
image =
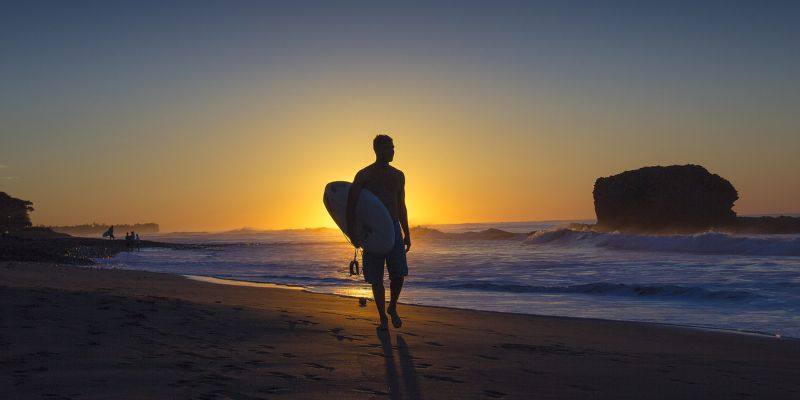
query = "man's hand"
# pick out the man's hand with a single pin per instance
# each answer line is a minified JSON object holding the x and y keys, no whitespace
{"x":407,"y":242}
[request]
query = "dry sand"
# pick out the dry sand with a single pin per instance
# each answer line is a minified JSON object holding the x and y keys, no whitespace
{"x":86,"y":333}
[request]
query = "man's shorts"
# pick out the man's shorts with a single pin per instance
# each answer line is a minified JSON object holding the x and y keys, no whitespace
{"x":395,"y":261}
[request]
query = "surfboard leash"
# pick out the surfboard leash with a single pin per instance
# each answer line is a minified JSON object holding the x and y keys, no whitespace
{"x":354,"y":270}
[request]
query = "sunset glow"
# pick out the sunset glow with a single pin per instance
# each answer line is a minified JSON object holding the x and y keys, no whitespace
{"x":242,"y":115}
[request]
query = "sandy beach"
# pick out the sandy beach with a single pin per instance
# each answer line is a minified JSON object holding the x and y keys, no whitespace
{"x":88,"y":333}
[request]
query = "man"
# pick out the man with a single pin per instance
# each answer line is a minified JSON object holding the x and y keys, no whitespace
{"x":388,"y":184}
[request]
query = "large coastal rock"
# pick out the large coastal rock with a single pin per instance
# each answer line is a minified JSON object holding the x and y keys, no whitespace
{"x":676,"y":198}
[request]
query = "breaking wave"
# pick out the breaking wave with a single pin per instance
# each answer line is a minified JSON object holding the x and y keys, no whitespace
{"x":703,"y":243}
{"x":486,"y":234}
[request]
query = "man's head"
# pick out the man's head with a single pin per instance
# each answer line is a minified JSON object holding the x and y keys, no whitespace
{"x":384,"y":148}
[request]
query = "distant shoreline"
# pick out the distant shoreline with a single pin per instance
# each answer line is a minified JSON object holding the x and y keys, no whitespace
{"x":66,"y":249}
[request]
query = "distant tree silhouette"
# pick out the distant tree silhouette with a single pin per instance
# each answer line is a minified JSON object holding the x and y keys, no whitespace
{"x":14,"y":213}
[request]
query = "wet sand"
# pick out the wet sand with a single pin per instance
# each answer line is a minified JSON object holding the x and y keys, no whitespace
{"x":87,"y":333}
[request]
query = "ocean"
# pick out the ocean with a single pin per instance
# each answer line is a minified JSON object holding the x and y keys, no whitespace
{"x":709,"y":280}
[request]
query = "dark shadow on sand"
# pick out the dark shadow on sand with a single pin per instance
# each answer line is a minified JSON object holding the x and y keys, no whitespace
{"x":410,"y":387}
{"x":410,"y":383}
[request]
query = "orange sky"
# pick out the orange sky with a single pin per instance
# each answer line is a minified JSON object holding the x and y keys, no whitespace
{"x":219,"y":172}
{"x":239,"y":116}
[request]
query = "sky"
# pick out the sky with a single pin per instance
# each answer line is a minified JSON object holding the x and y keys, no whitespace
{"x":215,"y":115}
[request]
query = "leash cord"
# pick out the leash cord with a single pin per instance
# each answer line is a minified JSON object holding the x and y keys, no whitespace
{"x":354,"y":270}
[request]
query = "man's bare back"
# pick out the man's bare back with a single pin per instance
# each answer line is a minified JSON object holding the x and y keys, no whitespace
{"x":384,"y":181}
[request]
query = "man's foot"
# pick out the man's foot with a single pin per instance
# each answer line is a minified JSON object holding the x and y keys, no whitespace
{"x":396,"y":321}
{"x":384,"y":325}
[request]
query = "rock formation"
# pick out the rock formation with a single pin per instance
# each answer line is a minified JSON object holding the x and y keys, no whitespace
{"x":676,"y":198}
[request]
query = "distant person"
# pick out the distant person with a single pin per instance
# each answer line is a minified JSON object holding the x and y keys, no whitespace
{"x":138,"y":242}
{"x":388,"y":184}
{"x":109,"y":233}
{"x":128,"y":239}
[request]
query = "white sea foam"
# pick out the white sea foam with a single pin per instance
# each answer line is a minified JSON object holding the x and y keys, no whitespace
{"x":702,"y":243}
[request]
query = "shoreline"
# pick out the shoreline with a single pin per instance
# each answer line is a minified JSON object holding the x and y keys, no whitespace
{"x":110,"y":333}
{"x":273,"y":285}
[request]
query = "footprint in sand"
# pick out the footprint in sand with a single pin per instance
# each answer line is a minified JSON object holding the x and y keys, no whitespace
{"x":282,"y":375}
{"x":232,"y":367}
{"x":214,"y":377}
{"x":358,"y":319}
{"x":362,"y":389}
{"x":185,"y":365}
{"x":533,"y":371}
{"x":43,"y":354}
{"x":442,"y":378}
{"x":343,"y":337}
{"x":313,"y":377}
{"x":274,"y":390}
{"x":584,"y":388}
{"x":320,"y":366}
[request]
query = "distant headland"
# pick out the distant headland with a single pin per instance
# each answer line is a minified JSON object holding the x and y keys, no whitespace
{"x":21,"y":241}
{"x":98,"y":229}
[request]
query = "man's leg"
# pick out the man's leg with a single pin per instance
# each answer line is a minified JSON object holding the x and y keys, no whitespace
{"x":396,"y":286}
{"x":373,"y":273}
{"x":379,"y":294}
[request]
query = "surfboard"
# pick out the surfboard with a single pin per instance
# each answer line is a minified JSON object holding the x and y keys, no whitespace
{"x":374,"y":226}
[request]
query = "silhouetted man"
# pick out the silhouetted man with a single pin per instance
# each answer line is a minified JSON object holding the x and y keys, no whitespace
{"x":388,"y":184}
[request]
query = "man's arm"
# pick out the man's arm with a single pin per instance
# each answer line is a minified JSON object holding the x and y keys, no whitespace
{"x":401,"y":205}
{"x":352,"y":201}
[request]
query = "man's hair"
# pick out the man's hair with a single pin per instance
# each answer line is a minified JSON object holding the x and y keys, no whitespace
{"x":380,"y":140}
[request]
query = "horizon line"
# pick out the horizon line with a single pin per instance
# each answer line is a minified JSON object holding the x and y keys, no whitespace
{"x":417,"y":225}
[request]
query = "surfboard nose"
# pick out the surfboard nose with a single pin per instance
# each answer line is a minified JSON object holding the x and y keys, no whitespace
{"x":334,"y":187}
